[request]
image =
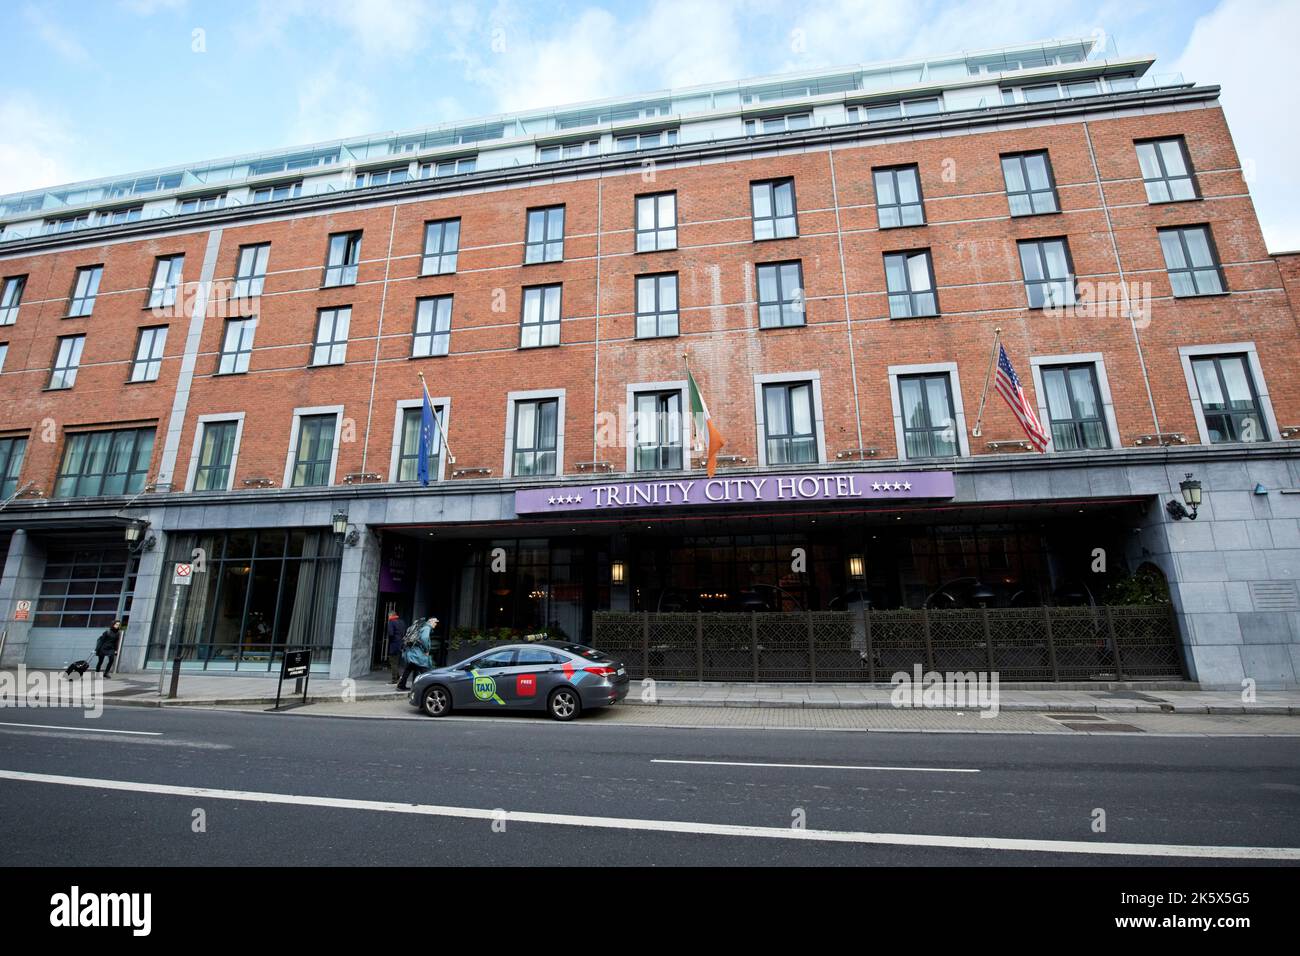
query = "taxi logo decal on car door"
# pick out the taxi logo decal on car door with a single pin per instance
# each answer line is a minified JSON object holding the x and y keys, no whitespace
{"x":526,"y":685}
{"x":485,"y":688}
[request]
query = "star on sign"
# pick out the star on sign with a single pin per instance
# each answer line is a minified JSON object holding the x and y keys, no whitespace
{"x":875,"y":486}
{"x":551,"y":500}
{"x":897,"y":486}
{"x":907,"y":486}
{"x":568,"y":499}
{"x":577,"y":499}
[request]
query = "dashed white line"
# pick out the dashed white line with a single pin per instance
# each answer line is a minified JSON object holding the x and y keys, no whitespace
{"x":814,"y":766}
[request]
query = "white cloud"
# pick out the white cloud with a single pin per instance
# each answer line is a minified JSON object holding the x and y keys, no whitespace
{"x":147,"y":8}
{"x":331,"y":105}
{"x":56,"y":36}
{"x":37,"y":145}
{"x":1248,"y":48}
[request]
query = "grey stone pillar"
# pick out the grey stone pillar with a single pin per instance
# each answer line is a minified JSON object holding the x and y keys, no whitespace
{"x":21,"y":581}
{"x":354,"y":620}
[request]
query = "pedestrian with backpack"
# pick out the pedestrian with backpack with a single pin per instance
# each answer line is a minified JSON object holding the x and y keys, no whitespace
{"x":418,"y":651}
{"x":396,"y":631}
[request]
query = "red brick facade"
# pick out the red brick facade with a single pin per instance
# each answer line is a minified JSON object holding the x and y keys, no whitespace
{"x":968,"y":230}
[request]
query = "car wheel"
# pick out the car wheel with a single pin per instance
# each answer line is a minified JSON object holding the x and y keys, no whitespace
{"x":436,"y":701}
{"x":563,"y":704}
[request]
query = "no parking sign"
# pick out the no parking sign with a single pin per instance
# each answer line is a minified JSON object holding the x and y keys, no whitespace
{"x":183,"y":574}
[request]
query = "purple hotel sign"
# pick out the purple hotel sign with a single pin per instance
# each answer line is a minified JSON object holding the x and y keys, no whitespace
{"x":672,"y":493}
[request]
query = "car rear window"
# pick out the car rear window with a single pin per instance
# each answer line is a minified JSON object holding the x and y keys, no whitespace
{"x":588,"y":652}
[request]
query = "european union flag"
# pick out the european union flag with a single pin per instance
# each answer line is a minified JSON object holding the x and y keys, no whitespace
{"x":426,"y":439}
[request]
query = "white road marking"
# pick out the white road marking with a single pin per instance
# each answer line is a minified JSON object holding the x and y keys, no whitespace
{"x":678,"y":826}
{"x":83,"y":730}
{"x":814,"y":766}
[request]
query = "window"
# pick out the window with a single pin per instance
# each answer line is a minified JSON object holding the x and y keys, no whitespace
{"x":382,"y":177}
{"x":250,"y":271}
{"x":545,"y":239}
{"x":315,"y":452}
{"x":67,"y":358}
{"x":331,"y":346}
{"x":149,"y":354}
{"x":432,"y":327}
{"x":929,"y":422}
{"x":441,"y":247}
{"x":658,"y":428}
{"x":898,"y":197}
{"x":11,"y":297}
{"x":1074,"y":407}
{"x":540,"y":324}
{"x":909,"y":276}
{"x":656,"y":306}
{"x":788,"y":423}
{"x":166,"y":280}
{"x":1031,"y":190}
{"x":663,"y":137}
{"x":115,"y":217}
{"x":81,"y":587}
{"x":1049,"y":274}
{"x":1167,"y":170}
{"x":66,"y":223}
{"x":780,"y":294}
{"x":449,"y":167}
{"x":778,"y":124}
{"x":203,"y":203}
{"x":656,"y":222}
{"x":274,"y":193}
{"x":884,"y":112}
{"x":536,"y":430}
{"x":12,"y":452}
{"x":84,"y":290}
{"x":1229,"y":400}
{"x":4,"y":354}
{"x":216,"y":453}
{"x":1042,"y":94}
{"x":774,"y":209}
{"x":549,"y":154}
{"x":1192,"y":261}
{"x":344,"y":254}
{"x":105,"y":463}
{"x":408,"y":457}
{"x":236,"y":346}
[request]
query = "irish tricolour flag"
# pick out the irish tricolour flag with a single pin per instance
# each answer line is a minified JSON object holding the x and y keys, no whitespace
{"x":704,"y":425}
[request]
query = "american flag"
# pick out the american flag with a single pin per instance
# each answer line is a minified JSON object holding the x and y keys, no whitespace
{"x":1008,"y":385}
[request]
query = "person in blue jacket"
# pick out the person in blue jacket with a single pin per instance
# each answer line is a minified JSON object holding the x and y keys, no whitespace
{"x":418,"y":659}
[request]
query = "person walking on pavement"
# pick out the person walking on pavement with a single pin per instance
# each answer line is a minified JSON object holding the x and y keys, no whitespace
{"x":418,"y":659}
{"x":396,"y":631}
{"x":106,"y":648}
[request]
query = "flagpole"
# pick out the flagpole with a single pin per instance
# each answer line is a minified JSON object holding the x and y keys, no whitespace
{"x":451,"y":459}
{"x":993,"y":357}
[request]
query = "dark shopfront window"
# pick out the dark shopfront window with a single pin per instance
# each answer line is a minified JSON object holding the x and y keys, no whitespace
{"x":538,"y":583}
{"x":82,"y":586}
{"x":262,"y":591}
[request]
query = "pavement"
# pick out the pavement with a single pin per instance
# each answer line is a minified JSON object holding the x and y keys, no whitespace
{"x":1128,"y":697}
{"x":193,"y":786}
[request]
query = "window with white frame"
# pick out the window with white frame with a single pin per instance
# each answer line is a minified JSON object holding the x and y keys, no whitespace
{"x":549,"y":154}
{"x":84,"y":290}
{"x":341,"y":263}
{"x":278,"y":192}
{"x":778,"y":124}
{"x":331,"y":347}
{"x":448,"y":167}
{"x":166,"y":281}
{"x":929,"y":418}
{"x":149,"y":354}
{"x":637,"y":141}
{"x":658,"y":430}
{"x":11,"y":297}
{"x":656,"y":305}
{"x":789,"y":423}
{"x":432,"y":327}
{"x":313,"y":456}
{"x":540,"y":322}
{"x":115,"y":217}
{"x":441,"y":247}
{"x":383,"y":177}
{"x":212,"y":470}
{"x":236,"y":346}
{"x":202,"y":203}
{"x":544,"y":239}
{"x":536,"y":431}
{"x":774,"y":209}
{"x":656,"y":222}
{"x":67,"y":359}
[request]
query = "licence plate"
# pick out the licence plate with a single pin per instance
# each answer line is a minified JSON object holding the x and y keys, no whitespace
{"x":621,"y":672}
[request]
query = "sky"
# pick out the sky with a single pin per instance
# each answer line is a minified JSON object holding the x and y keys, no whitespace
{"x":97,"y":88}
